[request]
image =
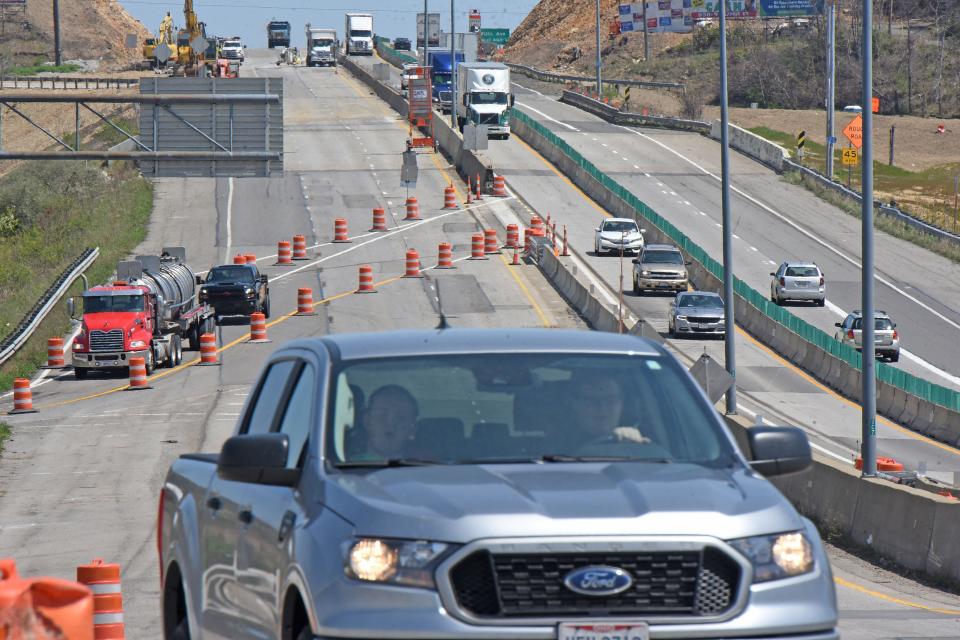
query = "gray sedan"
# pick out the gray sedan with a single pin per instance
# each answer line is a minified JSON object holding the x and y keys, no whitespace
{"x":697,"y":313}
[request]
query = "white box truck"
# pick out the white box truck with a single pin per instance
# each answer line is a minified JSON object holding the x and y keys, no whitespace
{"x":358,"y":34}
{"x":483,"y":88}
{"x":321,"y":46}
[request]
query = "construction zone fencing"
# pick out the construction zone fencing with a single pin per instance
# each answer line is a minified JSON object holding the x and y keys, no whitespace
{"x":926,"y":407}
{"x":62,"y":82}
{"x":35,"y":316}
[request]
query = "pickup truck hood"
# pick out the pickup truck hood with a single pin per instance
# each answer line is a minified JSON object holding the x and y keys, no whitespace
{"x":462,"y":503}
{"x":226,"y":288}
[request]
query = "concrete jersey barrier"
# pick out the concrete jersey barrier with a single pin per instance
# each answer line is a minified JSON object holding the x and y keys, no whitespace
{"x":615,"y":116}
{"x":757,"y":147}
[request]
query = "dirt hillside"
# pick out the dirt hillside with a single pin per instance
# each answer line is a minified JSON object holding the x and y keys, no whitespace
{"x":92,"y":30}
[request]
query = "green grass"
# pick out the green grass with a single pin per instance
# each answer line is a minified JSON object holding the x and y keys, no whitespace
{"x":5,"y":433}
{"x":109,"y":136}
{"x":34,"y":69}
{"x":882,"y":222}
{"x":927,"y":194}
{"x":50,"y":212}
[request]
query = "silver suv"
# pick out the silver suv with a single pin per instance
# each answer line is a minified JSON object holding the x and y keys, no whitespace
{"x":660,"y":267}
{"x":480,"y":484}
{"x":798,"y":281}
{"x":885,"y":338}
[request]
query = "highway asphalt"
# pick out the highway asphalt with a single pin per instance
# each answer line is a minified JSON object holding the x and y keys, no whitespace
{"x":80,"y":478}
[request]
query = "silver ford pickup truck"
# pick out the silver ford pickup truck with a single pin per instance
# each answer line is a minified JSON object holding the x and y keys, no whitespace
{"x":488,"y":484}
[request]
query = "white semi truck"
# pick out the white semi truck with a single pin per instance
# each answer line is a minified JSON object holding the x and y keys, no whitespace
{"x":358,"y":34}
{"x":483,"y":89}
{"x":321,"y":46}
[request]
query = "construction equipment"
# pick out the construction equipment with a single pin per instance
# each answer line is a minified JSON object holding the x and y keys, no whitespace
{"x":193,"y":60}
{"x":165,"y":36}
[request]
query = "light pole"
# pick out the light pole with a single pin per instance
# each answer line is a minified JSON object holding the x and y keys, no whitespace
{"x":831,"y":10}
{"x":868,"y":379}
{"x":425,"y":29}
{"x":453,"y":71}
{"x":599,"y":87}
{"x":623,"y":237}
{"x":57,"y":53}
{"x":729,"y":324}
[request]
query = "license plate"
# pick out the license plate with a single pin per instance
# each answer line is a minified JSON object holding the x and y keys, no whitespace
{"x":663,"y":285}
{"x":603,"y":631}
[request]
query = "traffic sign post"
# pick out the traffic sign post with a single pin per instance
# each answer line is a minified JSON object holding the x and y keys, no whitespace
{"x":801,"y":141}
{"x":849,"y":156}
{"x":854,"y":131}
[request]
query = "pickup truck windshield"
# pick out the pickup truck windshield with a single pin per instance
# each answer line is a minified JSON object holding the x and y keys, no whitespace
{"x":489,"y":97}
{"x":662,"y":257}
{"x":473,"y":409}
{"x":230,"y":273}
{"x":104,"y":304}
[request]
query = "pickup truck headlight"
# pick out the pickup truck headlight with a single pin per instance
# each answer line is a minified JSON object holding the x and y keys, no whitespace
{"x":137,"y":344}
{"x":407,"y":562}
{"x":249,"y":292}
{"x":778,"y":556}
{"x":644,"y":273}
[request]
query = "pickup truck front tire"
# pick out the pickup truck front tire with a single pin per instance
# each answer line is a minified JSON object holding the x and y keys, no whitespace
{"x":265,"y":307}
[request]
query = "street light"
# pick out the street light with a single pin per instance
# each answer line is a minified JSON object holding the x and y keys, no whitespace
{"x":729,"y":324}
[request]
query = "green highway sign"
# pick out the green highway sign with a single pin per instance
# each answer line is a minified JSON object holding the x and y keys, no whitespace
{"x":495,"y":36}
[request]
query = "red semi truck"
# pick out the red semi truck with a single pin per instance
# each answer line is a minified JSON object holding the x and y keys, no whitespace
{"x":148,"y":312}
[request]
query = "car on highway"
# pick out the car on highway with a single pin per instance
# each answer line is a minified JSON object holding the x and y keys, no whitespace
{"x":236,"y":290}
{"x":886,"y":340}
{"x":853,"y":108}
{"x":618,"y":234}
{"x":469,"y":484}
{"x":798,"y":280}
{"x":660,"y":267}
{"x":409,"y":71}
{"x":401,"y":44}
{"x":697,"y":313}
{"x":233,"y":49}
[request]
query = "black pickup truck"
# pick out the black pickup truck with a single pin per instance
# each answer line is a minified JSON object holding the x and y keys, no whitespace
{"x":236,"y":289}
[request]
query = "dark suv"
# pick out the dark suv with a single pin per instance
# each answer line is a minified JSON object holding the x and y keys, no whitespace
{"x":401,"y":44}
{"x":235,"y":290}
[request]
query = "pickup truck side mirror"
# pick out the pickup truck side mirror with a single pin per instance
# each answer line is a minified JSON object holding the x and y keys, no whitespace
{"x":257,"y":459}
{"x":71,"y":307}
{"x":512,"y":98}
{"x":199,"y":279}
{"x":263,"y":278}
{"x":838,"y":324}
{"x":635,"y":261}
{"x":643,"y":230}
{"x":778,"y":451}
{"x":773,"y":274}
{"x":687,"y":262}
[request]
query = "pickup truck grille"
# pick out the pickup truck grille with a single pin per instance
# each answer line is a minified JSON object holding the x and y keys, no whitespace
{"x":682,"y":583}
{"x":665,"y":275}
{"x":106,"y":340}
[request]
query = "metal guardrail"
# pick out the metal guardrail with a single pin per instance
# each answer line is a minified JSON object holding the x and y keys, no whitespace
{"x":884,"y":209}
{"x":35,"y":316}
{"x":546,"y":76}
{"x":615,"y":116}
{"x":66,"y":82}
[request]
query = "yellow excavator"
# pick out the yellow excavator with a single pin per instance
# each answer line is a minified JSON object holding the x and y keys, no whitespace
{"x":191,"y":62}
{"x":165,"y":37}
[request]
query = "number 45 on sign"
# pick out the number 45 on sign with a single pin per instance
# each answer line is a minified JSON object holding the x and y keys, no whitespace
{"x":849,"y":156}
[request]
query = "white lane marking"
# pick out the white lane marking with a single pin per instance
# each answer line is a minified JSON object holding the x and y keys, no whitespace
{"x":824,"y":450}
{"x":687,"y":202}
{"x":796,"y":226}
{"x":529,"y":89}
{"x":735,"y":236}
{"x":603,"y":144}
{"x":615,"y":151}
{"x":381,"y":236}
{"x":717,"y":225}
{"x":637,"y":168}
{"x":752,"y":248}
{"x":673,"y":193}
{"x":659,"y":184}
{"x":526,"y":106}
{"x":702,"y":213}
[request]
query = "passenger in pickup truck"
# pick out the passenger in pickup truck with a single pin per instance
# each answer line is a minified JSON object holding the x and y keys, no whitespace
{"x":598,"y":407}
{"x":390,"y":422}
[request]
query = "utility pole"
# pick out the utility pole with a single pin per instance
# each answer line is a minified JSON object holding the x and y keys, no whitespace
{"x":425,"y":30}
{"x":599,"y":87}
{"x":831,"y":101}
{"x":729,"y":324}
{"x":453,"y":71}
{"x":646,"y":34}
{"x":57,"y":53}
{"x":869,"y":376}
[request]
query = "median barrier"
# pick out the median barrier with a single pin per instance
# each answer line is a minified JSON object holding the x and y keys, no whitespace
{"x":750,"y":144}
{"x":615,"y":116}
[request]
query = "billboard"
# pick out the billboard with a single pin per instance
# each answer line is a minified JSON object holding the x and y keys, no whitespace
{"x":662,"y":16}
{"x":701,"y":9}
{"x":433,"y":20}
{"x":13,"y":2}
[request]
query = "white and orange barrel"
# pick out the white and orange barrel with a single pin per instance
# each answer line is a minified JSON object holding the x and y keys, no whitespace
{"x":208,"y":349}
{"x":479,"y":193}
{"x":413,"y":264}
{"x":536,"y":225}
{"x":340,"y":230}
{"x":304,"y":301}
{"x":22,"y":396}
{"x":449,"y":197}
{"x":566,"y":247}
{"x":239,"y":259}
{"x":379,"y":219}
{"x":491,"y":244}
{"x":500,"y":187}
{"x":476,"y":247}
{"x":299,"y":247}
{"x":469,"y":189}
{"x":366,"y":279}
{"x":284,"y":254}
{"x":55,"y":353}
{"x":103,"y":578}
{"x":513,"y":236}
{"x":250,"y":258}
{"x":258,"y":327}
{"x":138,"y":373}
{"x":445,"y":256}
{"x":413,"y":209}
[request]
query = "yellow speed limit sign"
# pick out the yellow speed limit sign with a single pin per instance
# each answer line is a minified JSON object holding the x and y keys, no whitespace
{"x":849,"y":156}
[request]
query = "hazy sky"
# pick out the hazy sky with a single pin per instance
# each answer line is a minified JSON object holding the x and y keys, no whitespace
{"x":391,"y":18}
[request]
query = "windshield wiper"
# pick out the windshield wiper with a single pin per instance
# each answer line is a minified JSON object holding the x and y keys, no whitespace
{"x":559,"y":457}
{"x":390,"y":462}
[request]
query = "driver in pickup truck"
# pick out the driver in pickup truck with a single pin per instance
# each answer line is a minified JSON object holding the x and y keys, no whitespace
{"x":390,"y":422}
{"x":598,"y":411}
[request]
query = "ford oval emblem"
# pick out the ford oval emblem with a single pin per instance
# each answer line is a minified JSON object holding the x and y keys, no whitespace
{"x":487,"y":78}
{"x":598,"y":581}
